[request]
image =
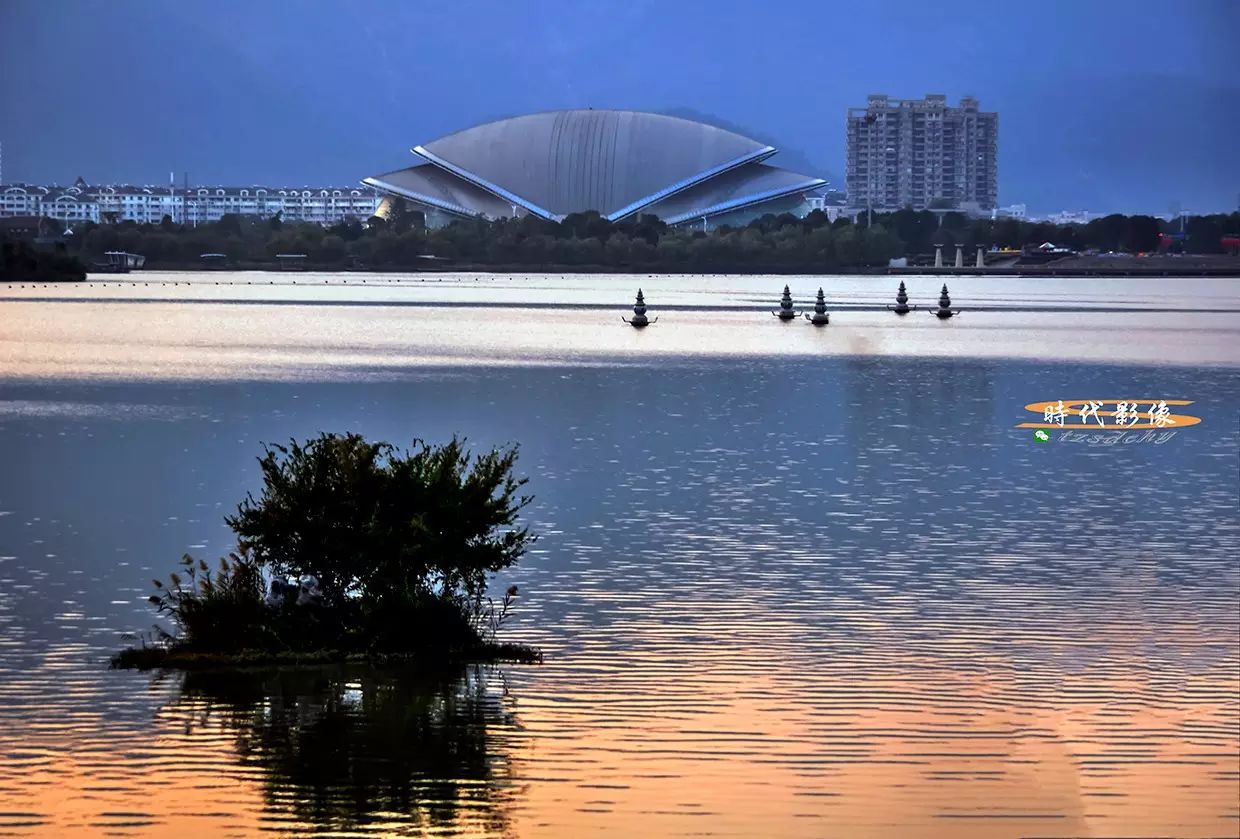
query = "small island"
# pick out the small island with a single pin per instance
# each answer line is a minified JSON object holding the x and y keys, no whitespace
{"x":354,"y":551}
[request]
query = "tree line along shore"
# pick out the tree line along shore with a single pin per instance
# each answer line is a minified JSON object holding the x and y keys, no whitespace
{"x":586,"y":241}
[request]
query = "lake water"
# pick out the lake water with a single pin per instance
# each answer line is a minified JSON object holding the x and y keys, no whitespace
{"x":792,"y":582}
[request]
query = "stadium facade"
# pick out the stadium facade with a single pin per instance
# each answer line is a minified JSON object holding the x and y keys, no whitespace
{"x":618,"y":163}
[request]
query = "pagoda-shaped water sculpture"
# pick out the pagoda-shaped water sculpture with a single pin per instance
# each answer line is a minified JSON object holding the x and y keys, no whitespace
{"x":945,"y":309}
{"x":902,"y":307}
{"x":786,"y":312}
{"x":820,"y":316}
{"x":639,"y":313}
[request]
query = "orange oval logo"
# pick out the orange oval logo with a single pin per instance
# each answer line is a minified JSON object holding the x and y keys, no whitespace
{"x":1125,"y":414}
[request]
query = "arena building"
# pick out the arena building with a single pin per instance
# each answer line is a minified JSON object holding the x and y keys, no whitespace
{"x":618,"y":163}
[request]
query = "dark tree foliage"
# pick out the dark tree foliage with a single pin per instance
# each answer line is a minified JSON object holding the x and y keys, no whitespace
{"x":402,"y":545}
{"x":367,"y":519}
{"x":350,"y":229}
{"x":402,"y":218}
{"x":1142,"y":234}
{"x":587,"y":225}
{"x":19,"y":260}
{"x":229,"y":225}
{"x":771,"y":242}
{"x":221,"y":611}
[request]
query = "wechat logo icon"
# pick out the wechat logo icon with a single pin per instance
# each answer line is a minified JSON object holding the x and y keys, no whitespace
{"x":1041,"y":436}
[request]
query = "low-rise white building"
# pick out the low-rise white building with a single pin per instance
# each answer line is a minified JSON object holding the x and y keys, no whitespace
{"x":196,"y":205}
{"x":831,"y":203}
{"x":1015,"y":211}
{"x":322,"y":205}
{"x":64,"y":203}
{"x":1065,"y":217}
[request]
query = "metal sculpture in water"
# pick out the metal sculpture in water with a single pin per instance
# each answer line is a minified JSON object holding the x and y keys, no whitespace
{"x":945,"y":310}
{"x":639,"y":313}
{"x":786,"y":312}
{"x":820,"y":316}
{"x":902,"y":307}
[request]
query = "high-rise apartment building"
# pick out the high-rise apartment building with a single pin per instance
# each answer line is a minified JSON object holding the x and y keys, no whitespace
{"x":922,"y":153}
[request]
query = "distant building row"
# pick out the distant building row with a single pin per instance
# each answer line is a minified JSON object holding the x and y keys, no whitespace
{"x":149,"y":204}
{"x":923,"y":154}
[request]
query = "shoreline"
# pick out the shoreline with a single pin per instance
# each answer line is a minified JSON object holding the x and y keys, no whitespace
{"x":171,"y":658}
{"x":1206,"y":266}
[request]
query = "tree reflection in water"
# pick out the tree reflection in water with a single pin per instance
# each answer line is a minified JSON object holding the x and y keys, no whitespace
{"x":342,"y":748}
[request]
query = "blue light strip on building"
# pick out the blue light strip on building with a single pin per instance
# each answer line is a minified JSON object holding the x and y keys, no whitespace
{"x":417,"y":196}
{"x":494,"y":189}
{"x":680,"y":186}
{"x":738,"y":203}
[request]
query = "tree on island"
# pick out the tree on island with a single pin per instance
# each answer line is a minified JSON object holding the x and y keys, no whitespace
{"x":367,"y":519}
{"x":399,"y":548}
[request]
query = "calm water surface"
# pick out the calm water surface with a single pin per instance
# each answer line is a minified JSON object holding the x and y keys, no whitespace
{"x":792,"y":582}
{"x":292,"y":325}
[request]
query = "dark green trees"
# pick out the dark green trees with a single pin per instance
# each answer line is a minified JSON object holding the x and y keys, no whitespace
{"x":19,"y":260}
{"x":642,"y":242}
{"x":401,"y":546}
{"x":369,"y":520}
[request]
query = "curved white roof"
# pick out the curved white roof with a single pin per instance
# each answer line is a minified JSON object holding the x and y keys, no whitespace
{"x":430,"y":185}
{"x":733,"y":190}
{"x":614,"y":162}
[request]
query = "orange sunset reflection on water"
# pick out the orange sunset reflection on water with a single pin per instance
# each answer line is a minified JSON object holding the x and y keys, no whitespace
{"x":942,"y":738}
{"x":793,"y":582}
{"x":923,"y":739}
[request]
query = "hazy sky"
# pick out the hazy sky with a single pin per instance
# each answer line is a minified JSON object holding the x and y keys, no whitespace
{"x":1103,"y":105}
